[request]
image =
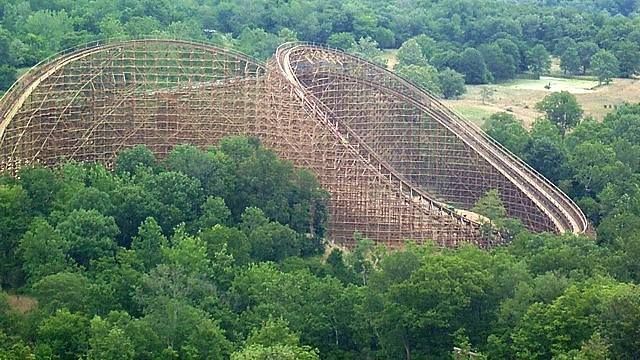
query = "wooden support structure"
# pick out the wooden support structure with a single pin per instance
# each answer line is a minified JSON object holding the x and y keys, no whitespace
{"x":396,"y":162}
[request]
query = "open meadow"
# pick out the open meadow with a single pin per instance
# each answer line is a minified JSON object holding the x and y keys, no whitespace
{"x":520,"y":96}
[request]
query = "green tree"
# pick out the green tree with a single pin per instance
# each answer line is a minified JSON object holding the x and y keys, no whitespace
{"x":491,"y":206}
{"x":188,"y":330}
{"x":539,"y":60}
{"x":220,"y":237}
{"x":501,"y":65}
{"x":274,"y":242}
{"x":341,"y":40}
{"x":108,"y":342}
{"x":42,"y":186}
{"x":367,"y":48}
{"x":132,"y":204}
{"x":472,"y":65}
{"x":605,"y":66}
{"x":562,"y":109}
{"x":90,"y":235}
{"x":212,"y":168}
{"x":619,"y":313}
{"x":410,"y":53}
{"x":138,"y":156}
{"x":14,"y":221}
{"x":43,"y":251}
{"x":570,"y":60}
{"x":8,"y":75}
{"x":508,"y":131}
{"x":628,"y":55}
{"x":148,"y":243}
{"x":214,"y":212}
{"x":65,"y":334}
{"x":595,"y":165}
{"x":63,"y":290}
{"x":425,"y":77}
{"x":283,"y":352}
{"x":180,"y":197}
{"x":451,"y":83}
{"x":586,"y":50}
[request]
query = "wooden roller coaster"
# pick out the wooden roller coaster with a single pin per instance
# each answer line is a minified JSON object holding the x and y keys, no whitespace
{"x":398,"y":164}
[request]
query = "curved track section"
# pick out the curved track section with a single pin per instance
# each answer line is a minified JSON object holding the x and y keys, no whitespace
{"x":424,"y":142}
{"x":398,"y":164}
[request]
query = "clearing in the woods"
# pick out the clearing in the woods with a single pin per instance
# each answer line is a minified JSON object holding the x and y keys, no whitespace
{"x":520,"y":96}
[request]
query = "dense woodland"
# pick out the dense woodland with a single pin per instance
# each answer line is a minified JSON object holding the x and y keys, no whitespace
{"x":484,"y":40}
{"x":221,"y":253}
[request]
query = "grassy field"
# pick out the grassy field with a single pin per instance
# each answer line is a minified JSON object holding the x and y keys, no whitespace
{"x":520,"y":97}
{"x":475,"y":113}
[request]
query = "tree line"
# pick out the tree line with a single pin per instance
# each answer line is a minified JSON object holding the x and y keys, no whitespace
{"x":219,"y":254}
{"x":483,"y":40}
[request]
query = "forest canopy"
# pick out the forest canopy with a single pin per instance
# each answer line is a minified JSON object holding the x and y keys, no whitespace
{"x":220,"y":254}
{"x":482,"y":40}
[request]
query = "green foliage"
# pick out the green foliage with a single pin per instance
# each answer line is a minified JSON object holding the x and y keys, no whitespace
{"x":368,"y":49}
{"x":605,"y":66}
{"x":410,"y":53}
{"x":284,"y":352}
{"x":538,"y":60}
{"x":502,"y":65}
{"x":8,"y":75}
{"x":492,"y":208}
{"x":149,"y":242}
{"x":65,"y":334}
{"x":425,"y":76}
{"x":472,"y":65}
{"x":628,"y":55}
{"x":43,"y":251}
{"x":490,"y":205}
{"x":90,"y":235}
{"x":586,"y":50}
{"x":14,"y":221}
{"x":130,"y":160}
{"x":570,"y":60}
{"x":562,"y":109}
{"x":451,"y":83}
{"x":508,"y":131}
{"x":214,"y":212}
{"x":109,"y":342}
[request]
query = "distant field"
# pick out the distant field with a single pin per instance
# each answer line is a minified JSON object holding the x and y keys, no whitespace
{"x":575,"y":86}
{"x":520,"y":97}
{"x":475,"y":113}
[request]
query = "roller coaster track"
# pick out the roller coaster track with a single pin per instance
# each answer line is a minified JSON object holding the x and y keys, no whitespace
{"x":565,"y":214}
{"x":175,"y":91}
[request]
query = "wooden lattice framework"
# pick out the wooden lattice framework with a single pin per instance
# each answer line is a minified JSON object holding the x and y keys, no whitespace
{"x":397,"y":163}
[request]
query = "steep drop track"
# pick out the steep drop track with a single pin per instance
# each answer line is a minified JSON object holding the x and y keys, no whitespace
{"x":398,"y":164}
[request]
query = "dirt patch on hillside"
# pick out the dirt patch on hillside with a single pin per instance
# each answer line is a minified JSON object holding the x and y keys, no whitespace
{"x":22,"y":303}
